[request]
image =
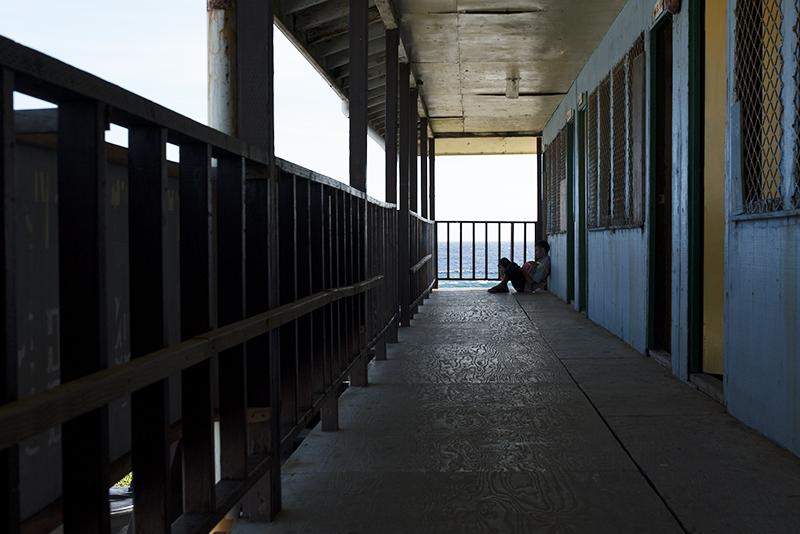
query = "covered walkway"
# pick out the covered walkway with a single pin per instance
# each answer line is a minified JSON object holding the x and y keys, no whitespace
{"x":510,"y":413}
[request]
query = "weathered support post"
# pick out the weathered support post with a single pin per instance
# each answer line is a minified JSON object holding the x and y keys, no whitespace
{"x":359,"y":10}
{"x":540,"y":224}
{"x":241,"y":103}
{"x":413,"y":118}
{"x":392,"y":52}
{"x":406,"y":138}
{"x":432,"y":161}
{"x":9,"y":458}
{"x":423,"y":177}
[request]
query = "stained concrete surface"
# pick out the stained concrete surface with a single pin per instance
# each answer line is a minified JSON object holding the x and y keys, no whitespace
{"x":514,"y":414}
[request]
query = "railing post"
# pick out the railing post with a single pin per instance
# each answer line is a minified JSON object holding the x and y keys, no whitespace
{"x":9,"y":458}
{"x":150,"y":415}
{"x":84,"y":440}
{"x":413,"y":125}
{"x":196,"y":280}
{"x":406,"y":138}
{"x":231,"y":308}
{"x":540,"y":229}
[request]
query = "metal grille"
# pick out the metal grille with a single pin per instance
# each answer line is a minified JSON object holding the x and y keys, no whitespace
{"x":591,"y":159}
{"x":758,"y":66}
{"x":636,"y":113}
{"x":795,"y":198}
{"x":604,"y":152}
{"x":562,"y":179}
{"x":619,"y":135}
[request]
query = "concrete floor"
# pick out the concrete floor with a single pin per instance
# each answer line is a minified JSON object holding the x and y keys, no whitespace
{"x":514,"y":414}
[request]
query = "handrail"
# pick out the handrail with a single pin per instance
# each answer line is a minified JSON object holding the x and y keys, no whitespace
{"x":420,"y":217}
{"x":47,"y":78}
{"x":438,"y":221}
{"x":27,"y":417}
{"x":303,"y":172}
{"x":420,"y":264}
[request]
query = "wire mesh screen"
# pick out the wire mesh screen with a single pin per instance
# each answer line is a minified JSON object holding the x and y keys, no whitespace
{"x":795,"y":197}
{"x":636,"y":126}
{"x":619,"y":135}
{"x":758,"y":65}
{"x":604,"y":152}
{"x":561,"y":189}
{"x":591,"y":160}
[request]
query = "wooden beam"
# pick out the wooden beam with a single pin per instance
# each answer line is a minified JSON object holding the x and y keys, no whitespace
{"x":406,"y":138}
{"x":423,"y":176}
{"x":392,"y":37}
{"x":358,"y":53}
{"x":413,"y":125}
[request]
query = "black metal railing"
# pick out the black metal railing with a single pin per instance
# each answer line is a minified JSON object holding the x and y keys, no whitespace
{"x":254,"y":287}
{"x":421,"y":273}
{"x":470,"y":250}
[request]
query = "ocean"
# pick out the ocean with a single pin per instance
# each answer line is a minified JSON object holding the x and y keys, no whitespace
{"x":464,"y":268}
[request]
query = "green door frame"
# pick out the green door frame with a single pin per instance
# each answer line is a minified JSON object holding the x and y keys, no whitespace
{"x":583,"y":246}
{"x":570,"y":211}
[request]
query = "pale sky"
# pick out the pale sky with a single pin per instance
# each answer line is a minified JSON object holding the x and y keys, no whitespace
{"x":158,"y":50}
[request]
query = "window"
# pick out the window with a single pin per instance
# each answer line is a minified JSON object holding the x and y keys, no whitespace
{"x":636,"y":121}
{"x":556,"y":183}
{"x":619,"y":133}
{"x":591,"y":160}
{"x":758,"y":87}
{"x":604,"y":151}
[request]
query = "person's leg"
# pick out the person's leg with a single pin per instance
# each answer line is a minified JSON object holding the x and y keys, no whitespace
{"x":501,"y":287}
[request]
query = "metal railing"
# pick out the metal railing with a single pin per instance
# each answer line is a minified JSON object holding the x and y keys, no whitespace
{"x":258,"y":287}
{"x":474,"y":255}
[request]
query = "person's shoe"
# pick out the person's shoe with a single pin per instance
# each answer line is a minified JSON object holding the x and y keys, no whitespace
{"x":499,"y":289}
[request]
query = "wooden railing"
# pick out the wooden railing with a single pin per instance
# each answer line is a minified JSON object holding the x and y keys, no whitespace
{"x":421,"y":273}
{"x":483,"y":243}
{"x":254,"y":287}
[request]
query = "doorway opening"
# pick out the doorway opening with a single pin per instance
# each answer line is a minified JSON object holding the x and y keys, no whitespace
{"x":661,"y":190}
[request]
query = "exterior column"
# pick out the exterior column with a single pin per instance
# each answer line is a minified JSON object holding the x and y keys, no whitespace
{"x":392,"y":44}
{"x":406,"y":138}
{"x":423,"y":177}
{"x":413,"y":118}
{"x":358,"y":94}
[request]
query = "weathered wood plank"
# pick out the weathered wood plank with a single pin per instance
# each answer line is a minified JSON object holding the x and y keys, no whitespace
{"x":84,"y":440}
{"x":406,"y":138}
{"x":150,"y":416}
{"x":196,"y":280}
{"x":231,"y":307}
{"x":9,"y":458}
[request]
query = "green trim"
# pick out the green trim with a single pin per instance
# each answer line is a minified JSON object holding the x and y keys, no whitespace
{"x":570,"y":211}
{"x":695,"y":179}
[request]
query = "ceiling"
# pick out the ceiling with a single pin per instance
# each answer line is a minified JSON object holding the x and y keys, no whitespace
{"x":462,"y":52}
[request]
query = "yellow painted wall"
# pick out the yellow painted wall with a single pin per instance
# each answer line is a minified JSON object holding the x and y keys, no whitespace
{"x":714,"y":193}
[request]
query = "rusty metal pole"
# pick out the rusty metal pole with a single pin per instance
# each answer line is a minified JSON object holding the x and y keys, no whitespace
{"x":222,"y":71}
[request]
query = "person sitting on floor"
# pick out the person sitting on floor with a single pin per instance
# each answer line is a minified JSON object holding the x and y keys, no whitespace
{"x":532,"y":276}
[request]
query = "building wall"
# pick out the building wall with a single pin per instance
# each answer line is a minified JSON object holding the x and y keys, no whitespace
{"x":762,"y":282}
{"x":557,"y":283}
{"x":618,"y":284}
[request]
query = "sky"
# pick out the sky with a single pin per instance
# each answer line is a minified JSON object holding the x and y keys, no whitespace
{"x":157,"y":49}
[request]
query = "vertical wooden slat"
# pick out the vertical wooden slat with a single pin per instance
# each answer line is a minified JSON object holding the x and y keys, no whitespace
{"x":486,"y":250}
{"x":317,"y":267}
{"x":288,"y":293}
{"x":150,"y":416}
{"x":9,"y":458}
{"x":473,"y":250}
{"x":460,"y":250}
{"x":305,"y":352}
{"x":512,"y":240}
{"x":432,"y":178}
{"x":196,"y":277}
{"x":233,"y":439}
{"x":81,"y":173}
